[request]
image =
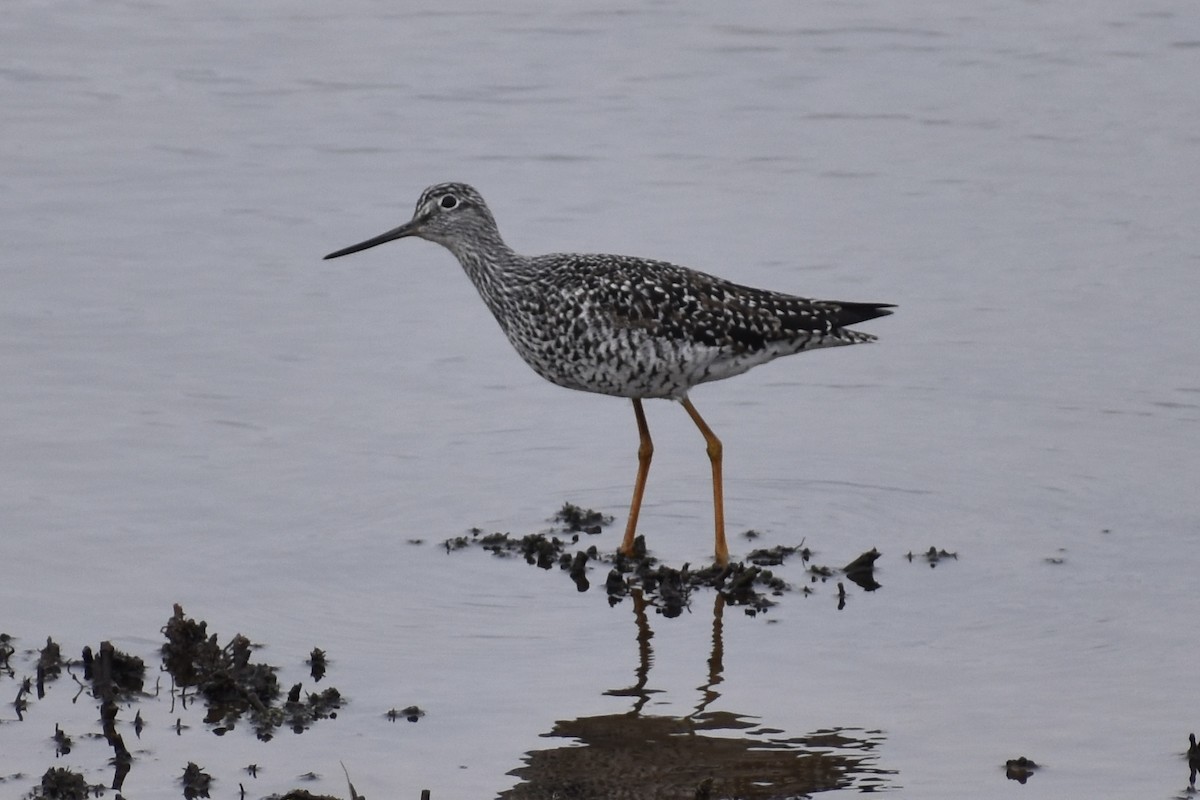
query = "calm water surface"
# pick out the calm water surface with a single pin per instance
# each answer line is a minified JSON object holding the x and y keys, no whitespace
{"x":194,"y":408}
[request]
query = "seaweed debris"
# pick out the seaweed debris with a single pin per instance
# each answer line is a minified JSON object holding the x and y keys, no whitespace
{"x":233,"y":686}
{"x":581,"y":520}
{"x":932,"y":556}
{"x":59,"y":783}
{"x":196,"y":782}
{"x":1020,"y":769}
{"x":750,"y":583}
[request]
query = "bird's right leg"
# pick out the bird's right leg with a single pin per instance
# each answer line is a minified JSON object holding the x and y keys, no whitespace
{"x":645,"y":452}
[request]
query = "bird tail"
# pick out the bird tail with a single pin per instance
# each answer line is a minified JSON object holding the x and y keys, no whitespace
{"x":854,"y":313}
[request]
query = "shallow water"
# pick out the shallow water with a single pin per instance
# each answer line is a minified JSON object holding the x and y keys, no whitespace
{"x":194,"y":408}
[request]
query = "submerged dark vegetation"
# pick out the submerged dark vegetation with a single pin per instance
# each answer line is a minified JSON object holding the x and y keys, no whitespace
{"x":749,"y":583}
{"x":238,"y":690}
{"x":225,"y":678}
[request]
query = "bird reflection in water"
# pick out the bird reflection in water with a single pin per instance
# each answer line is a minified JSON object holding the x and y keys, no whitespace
{"x":706,"y":754}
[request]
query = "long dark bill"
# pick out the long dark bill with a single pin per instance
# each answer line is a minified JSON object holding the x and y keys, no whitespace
{"x":395,"y":233}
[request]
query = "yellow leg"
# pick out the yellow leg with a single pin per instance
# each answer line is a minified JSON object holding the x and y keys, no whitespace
{"x":721,"y":552}
{"x":645,"y":452}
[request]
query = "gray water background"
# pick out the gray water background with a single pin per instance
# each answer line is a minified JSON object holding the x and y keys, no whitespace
{"x":194,"y":408}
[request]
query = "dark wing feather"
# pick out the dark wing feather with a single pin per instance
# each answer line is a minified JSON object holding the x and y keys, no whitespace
{"x":682,"y":304}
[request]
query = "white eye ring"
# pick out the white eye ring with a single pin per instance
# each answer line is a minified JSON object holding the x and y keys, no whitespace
{"x":448,"y":202}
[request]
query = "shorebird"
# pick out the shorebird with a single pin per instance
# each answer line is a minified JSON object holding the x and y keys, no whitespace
{"x":626,"y":326}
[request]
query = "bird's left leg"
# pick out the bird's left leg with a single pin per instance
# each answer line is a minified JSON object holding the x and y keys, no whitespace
{"x":721,"y":551}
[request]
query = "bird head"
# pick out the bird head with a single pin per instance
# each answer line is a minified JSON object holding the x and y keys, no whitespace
{"x":446,"y":213}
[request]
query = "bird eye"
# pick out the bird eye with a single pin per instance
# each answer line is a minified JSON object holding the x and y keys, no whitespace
{"x":448,"y":202}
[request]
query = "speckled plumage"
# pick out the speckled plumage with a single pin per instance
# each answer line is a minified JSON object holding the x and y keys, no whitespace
{"x":625,"y":326}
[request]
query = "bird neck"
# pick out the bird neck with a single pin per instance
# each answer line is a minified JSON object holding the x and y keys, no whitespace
{"x":493,"y":266}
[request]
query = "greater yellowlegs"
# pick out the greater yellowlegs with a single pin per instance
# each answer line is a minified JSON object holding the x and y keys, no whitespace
{"x":625,"y":326}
